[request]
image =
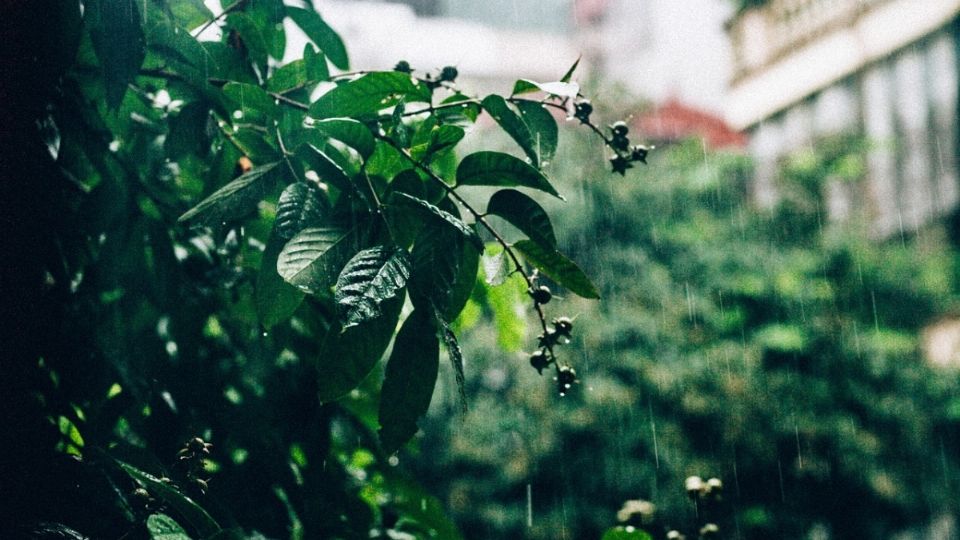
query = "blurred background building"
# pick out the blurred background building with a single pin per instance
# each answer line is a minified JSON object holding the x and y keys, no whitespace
{"x":885,"y":70}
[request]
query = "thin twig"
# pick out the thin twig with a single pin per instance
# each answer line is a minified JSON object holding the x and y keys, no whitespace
{"x":229,"y":9}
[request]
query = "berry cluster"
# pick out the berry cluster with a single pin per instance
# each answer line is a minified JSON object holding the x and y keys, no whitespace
{"x":190,"y":459}
{"x":624,"y":154}
{"x":448,"y":74}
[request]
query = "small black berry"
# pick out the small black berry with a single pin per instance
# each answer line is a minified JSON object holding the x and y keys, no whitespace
{"x":403,"y":67}
{"x":620,"y":128}
{"x":449,"y":74}
{"x":539,"y":360}
{"x":540,"y":295}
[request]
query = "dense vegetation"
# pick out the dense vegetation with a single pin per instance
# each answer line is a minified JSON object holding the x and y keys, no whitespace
{"x":776,"y":351}
{"x":227,"y":245}
{"x":213,"y":251}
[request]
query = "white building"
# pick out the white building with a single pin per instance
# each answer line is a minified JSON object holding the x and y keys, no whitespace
{"x":886,"y":69}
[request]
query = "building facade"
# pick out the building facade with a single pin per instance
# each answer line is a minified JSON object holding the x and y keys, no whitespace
{"x":885,"y":70}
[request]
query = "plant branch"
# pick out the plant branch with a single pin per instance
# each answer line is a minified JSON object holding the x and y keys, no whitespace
{"x":229,"y":9}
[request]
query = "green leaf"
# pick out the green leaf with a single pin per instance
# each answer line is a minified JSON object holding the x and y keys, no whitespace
{"x":350,"y":132}
{"x":196,"y":516}
{"x":326,"y":168}
{"x":498,"y":169}
{"x":368,"y":94}
{"x":163,"y":527}
{"x":456,"y":357}
{"x":321,"y":34}
{"x":301,"y":205}
{"x":238,"y":197}
{"x":312,"y":260}
{"x":569,"y":74}
{"x":557,"y":88}
{"x":316,"y":64}
{"x":250,"y":97}
{"x":510,"y":121}
{"x":276,"y":300}
{"x":558,"y":268}
{"x":370,"y":277}
{"x":525,"y":214}
{"x":117,"y":36}
{"x":251,"y":32}
{"x":347,"y":357}
{"x":506,"y":302}
{"x":623,"y":533}
{"x":447,"y":217}
{"x":409,"y":380}
{"x":438,"y":139}
{"x":444,"y":269}
{"x":543,"y":129}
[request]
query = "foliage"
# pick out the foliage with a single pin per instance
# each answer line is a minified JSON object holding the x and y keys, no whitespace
{"x":234,"y":243}
{"x":777,"y":351}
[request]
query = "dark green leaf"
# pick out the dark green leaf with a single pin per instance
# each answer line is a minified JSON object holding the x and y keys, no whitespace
{"x":326,"y":168}
{"x":251,"y":32}
{"x":289,"y":77}
{"x":569,"y":74}
{"x":368,"y":279}
{"x":437,"y":139}
{"x":316,"y":64}
{"x":313,"y":259}
{"x":525,"y":214}
{"x":350,"y":132}
{"x":276,"y":299}
{"x":523,"y":86}
{"x":347,"y":357}
{"x":238,"y":197}
{"x":543,"y":129}
{"x":498,"y":169}
{"x":321,"y":34}
{"x":510,"y":121}
{"x":456,"y":357}
{"x":187,"y":131}
{"x":558,"y":268}
{"x":163,"y":527}
{"x":198,"y":518}
{"x":447,"y":217}
{"x":300,"y":206}
{"x":250,"y":97}
{"x":117,"y":35}
{"x":409,"y":380}
{"x":367,"y":95}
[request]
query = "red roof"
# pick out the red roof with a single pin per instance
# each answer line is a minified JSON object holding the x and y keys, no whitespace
{"x":674,"y":121}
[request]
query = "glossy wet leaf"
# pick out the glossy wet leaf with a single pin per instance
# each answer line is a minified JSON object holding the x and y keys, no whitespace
{"x":164,"y":527}
{"x":408,"y":383}
{"x":300,"y":206}
{"x":367,"y":95}
{"x":276,"y":300}
{"x":499,"y":169}
{"x":557,"y":267}
{"x":368,"y":279}
{"x":524,"y":213}
{"x":542,"y":127}
{"x":513,"y":124}
{"x":312,"y":260}
{"x":236,"y":198}
{"x":350,"y":132}
{"x":321,"y":34}
{"x":443,"y":215}
{"x":347,"y":355}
